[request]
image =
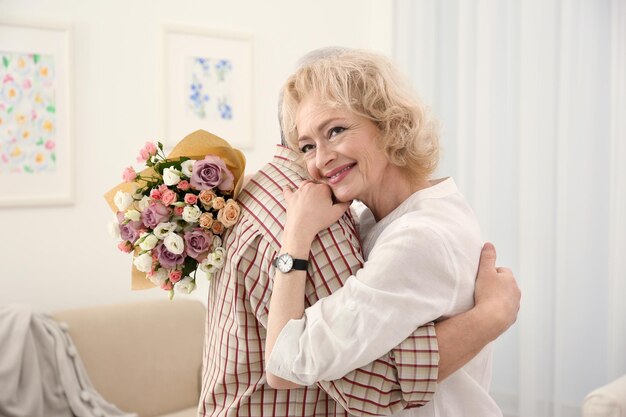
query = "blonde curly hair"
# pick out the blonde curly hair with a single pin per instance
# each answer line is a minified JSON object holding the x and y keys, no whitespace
{"x":368,"y":85}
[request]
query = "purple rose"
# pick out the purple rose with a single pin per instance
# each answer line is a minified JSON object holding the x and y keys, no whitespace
{"x":211,"y":172}
{"x":197,"y":243}
{"x":129,"y":231}
{"x":166,"y":258}
{"x":154,"y":214}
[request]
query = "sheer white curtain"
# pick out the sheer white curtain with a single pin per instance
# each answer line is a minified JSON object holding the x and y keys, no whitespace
{"x":532,"y":99}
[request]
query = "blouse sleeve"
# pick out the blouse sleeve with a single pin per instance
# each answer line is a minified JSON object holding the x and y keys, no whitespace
{"x":409,"y":280}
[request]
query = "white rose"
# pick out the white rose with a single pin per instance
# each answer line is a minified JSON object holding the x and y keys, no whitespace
{"x":143,"y":262}
{"x":171,"y":176}
{"x":174,"y":243}
{"x":218,"y":257}
{"x":114,"y":229}
{"x":148,"y":242}
{"x":122,"y":200}
{"x":159,"y":277}
{"x":185,"y":286}
{"x":132,"y":215}
{"x":142,"y":236}
{"x":187,"y":167}
{"x":163,"y":229}
{"x":217,"y":241}
{"x":208,"y":267}
{"x":144,"y":203}
{"x":191,"y":214}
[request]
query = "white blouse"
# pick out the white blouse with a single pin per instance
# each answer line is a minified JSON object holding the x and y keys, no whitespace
{"x":421,"y":266}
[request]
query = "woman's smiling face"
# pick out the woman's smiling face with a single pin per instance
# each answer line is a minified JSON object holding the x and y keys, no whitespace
{"x":340,"y":149}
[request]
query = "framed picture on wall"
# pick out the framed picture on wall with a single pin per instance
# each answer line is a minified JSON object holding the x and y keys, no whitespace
{"x":208,"y":85}
{"x":35,"y":136}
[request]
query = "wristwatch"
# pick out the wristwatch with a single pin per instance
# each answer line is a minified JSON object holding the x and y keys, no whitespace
{"x":286,"y":263}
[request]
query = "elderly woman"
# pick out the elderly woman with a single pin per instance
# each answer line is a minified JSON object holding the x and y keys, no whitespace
{"x":363,"y":136}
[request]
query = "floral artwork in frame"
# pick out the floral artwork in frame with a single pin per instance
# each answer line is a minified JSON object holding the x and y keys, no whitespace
{"x":209,"y":86}
{"x":35,"y":163}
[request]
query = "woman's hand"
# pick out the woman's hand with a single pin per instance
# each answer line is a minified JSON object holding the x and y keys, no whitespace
{"x":496,"y":291}
{"x":310,"y":209}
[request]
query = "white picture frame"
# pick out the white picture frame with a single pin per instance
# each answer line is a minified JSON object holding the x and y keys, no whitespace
{"x":35,"y":132}
{"x":208,"y":85}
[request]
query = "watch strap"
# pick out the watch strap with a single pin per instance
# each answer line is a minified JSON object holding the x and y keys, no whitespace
{"x":300,"y":264}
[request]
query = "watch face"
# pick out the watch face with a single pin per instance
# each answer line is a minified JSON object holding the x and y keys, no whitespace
{"x":284,"y":263}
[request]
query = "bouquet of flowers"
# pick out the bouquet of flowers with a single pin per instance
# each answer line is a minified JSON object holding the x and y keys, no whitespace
{"x":173,"y":216}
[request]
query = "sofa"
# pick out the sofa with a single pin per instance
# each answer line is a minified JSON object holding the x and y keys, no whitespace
{"x":606,"y":401}
{"x":144,"y":357}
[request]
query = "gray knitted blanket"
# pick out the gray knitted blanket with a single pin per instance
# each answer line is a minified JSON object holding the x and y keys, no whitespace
{"x":41,"y":373}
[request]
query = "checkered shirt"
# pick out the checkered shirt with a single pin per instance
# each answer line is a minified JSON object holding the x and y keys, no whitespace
{"x":233,"y":377}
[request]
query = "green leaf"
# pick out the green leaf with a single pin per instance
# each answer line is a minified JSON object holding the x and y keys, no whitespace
{"x":28,"y":169}
{"x":39,"y":142}
{"x":53,"y":156}
{"x":160,"y":166}
{"x":36,"y":58}
{"x":5,"y":61}
{"x":189,"y":266}
{"x":51,"y":109}
{"x":10,"y":110}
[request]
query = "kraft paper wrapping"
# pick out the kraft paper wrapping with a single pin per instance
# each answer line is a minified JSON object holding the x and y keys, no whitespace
{"x":193,"y":146}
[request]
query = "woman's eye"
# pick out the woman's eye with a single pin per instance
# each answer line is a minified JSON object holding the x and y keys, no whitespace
{"x":335,"y":131}
{"x":306,"y":148}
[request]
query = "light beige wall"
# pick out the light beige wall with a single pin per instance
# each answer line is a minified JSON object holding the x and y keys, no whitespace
{"x":54,"y":257}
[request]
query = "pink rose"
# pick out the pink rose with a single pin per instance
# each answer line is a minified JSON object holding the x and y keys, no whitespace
{"x":175,"y":275}
{"x":163,"y":187}
{"x":191,"y":199}
{"x":155,"y":194}
{"x":179,"y":211}
{"x":143,"y":156}
{"x":183,"y":185}
{"x":168,"y":197}
{"x":146,"y":152}
{"x":167,"y":286}
{"x":125,"y":246}
{"x":49,"y":145}
{"x":129,"y":174}
{"x":150,"y":148}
